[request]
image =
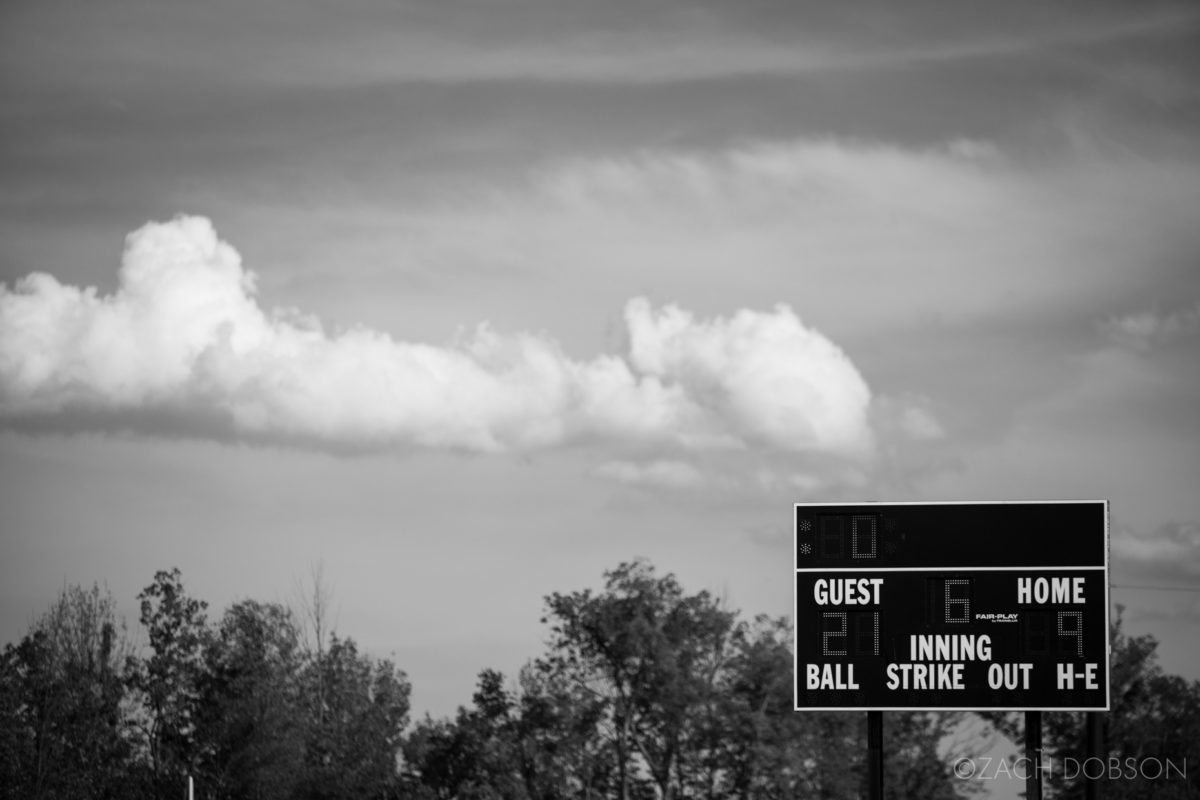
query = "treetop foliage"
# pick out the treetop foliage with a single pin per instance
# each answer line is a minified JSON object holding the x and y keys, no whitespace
{"x":645,"y":690}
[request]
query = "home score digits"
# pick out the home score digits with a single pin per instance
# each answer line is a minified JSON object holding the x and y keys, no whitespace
{"x":959,"y":605}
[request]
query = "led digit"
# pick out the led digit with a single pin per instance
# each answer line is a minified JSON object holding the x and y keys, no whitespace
{"x":826,"y":635}
{"x":1036,"y":639}
{"x":866,"y":633}
{"x":1075,"y":628}
{"x":958,"y":600}
{"x":863,"y":528}
{"x":831,"y":537}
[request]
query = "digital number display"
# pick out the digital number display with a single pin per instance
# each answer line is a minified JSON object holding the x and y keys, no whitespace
{"x":839,"y":537}
{"x":864,"y":537}
{"x":957,"y":594}
{"x":1073,"y":629}
{"x":955,"y":606}
{"x":850,"y":633}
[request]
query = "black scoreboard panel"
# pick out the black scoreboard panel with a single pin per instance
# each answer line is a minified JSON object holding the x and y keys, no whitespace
{"x":933,"y":536}
{"x":963,"y":605}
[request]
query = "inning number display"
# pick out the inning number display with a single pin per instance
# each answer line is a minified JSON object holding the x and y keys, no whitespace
{"x":952,"y":605}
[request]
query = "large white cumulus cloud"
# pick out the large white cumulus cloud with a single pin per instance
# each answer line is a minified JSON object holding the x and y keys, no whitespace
{"x":184,"y":335}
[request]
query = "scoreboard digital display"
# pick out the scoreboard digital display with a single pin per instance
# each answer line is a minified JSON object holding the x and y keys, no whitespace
{"x":952,"y":606}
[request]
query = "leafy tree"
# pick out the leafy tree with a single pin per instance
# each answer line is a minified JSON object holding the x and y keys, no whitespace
{"x":492,"y":722}
{"x":471,"y":756}
{"x":649,"y":652}
{"x":537,"y":743}
{"x":443,"y":757}
{"x":62,"y":725}
{"x":561,"y":749}
{"x":1154,"y":715}
{"x":357,"y":711}
{"x":772,"y":751}
{"x":762,"y":754}
{"x":169,"y":681}
{"x":250,"y":732}
{"x":694,"y":703}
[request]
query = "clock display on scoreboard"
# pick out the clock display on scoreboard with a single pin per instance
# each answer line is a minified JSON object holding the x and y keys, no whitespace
{"x":963,"y":605}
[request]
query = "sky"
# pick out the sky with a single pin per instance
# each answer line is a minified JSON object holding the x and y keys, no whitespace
{"x":469,"y":302}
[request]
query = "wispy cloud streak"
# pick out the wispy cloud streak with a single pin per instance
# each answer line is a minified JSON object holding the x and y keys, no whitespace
{"x":1147,"y":330}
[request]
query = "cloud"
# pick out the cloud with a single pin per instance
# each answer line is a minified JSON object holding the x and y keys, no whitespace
{"x":304,"y":43}
{"x":184,"y":338}
{"x":657,"y":473}
{"x":1171,"y":550}
{"x":1151,"y":330}
{"x":865,"y":238}
{"x":1162,"y":563}
{"x":743,"y":367}
{"x":682,"y":45}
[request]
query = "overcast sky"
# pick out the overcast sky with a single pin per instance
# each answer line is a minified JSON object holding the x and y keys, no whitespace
{"x":472,"y":301}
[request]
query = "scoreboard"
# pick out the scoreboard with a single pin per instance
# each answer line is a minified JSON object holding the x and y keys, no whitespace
{"x":952,"y":606}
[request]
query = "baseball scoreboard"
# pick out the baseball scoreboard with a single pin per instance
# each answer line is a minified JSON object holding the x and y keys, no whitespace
{"x":952,"y":606}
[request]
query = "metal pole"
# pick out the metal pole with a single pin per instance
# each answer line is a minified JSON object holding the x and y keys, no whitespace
{"x":1033,"y":753}
{"x":874,"y":755}
{"x":1093,"y":733}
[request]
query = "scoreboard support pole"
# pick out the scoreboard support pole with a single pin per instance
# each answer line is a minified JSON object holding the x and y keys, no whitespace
{"x":1093,"y":731}
{"x":874,"y":755}
{"x":1033,"y":755}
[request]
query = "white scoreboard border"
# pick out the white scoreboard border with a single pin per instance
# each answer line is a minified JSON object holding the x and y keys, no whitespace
{"x":876,"y":503}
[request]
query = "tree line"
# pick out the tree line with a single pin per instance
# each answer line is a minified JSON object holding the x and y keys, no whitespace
{"x":643,"y":691}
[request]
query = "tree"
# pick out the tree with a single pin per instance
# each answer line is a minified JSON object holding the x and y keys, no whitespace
{"x":649,"y":651}
{"x":561,"y":749}
{"x":691,"y":702}
{"x":540,"y":741}
{"x":471,"y":756}
{"x":769,"y":750}
{"x":170,"y":679}
{"x":62,"y":725}
{"x":759,"y":754}
{"x":357,"y":710}
{"x":1154,"y":716}
{"x":250,"y":733}
{"x":242,"y":706}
